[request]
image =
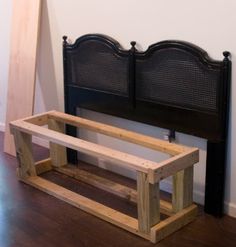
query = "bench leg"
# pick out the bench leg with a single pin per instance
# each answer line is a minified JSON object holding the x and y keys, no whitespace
{"x":24,"y":154}
{"x":182,"y":196}
{"x":148,"y":202}
{"x":57,"y":152}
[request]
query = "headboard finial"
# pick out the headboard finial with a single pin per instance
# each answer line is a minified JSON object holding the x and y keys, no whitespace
{"x":226,"y":55}
{"x":133,"y":43}
{"x":65,"y":40}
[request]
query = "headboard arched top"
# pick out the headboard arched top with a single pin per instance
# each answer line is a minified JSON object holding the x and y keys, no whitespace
{"x":179,"y":74}
{"x":169,"y":81}
{"x":95,"y":60}
{"x":185,"y":47}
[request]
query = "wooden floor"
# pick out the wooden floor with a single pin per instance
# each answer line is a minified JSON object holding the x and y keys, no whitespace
{"x":29,"y":217}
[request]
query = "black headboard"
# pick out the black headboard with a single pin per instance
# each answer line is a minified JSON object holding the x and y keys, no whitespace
{"x":173,"y":85}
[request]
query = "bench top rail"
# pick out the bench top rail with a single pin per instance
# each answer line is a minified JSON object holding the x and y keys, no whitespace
{"x":183,"y":157}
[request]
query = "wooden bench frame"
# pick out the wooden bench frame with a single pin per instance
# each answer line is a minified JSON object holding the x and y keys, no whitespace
{"x":148,"y":225}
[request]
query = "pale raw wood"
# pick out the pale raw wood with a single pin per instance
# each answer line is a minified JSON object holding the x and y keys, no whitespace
{"x":173,"y":223}
{"x":24,"y":154}
{"x":157,"y":171}
{"x":109,"y":186}
{"x":170,"y":166}
{"x":99,"y":182}
{"x":119,"y":158}
{"x":166,"y":208}
{"x":148,"y":176}
{"x":119,"y":133}
{"x":108,"y":214}
{"x":38,"y":119}
{"x":57,"y":152}
{"x":43,"y":166}
{"x":182,"y":195}
{"x":148,"y":203}
{"x":21,"y":80}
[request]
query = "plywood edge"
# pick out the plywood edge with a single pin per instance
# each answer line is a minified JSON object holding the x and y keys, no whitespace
{"x":22,"y":64}
{"x":173,"y":223}
{"x":148,"y":203}
{"x":108,"y":214}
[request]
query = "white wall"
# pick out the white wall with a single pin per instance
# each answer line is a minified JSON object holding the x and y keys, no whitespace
{"x":5,"y":19}
{"x":209,"y":24}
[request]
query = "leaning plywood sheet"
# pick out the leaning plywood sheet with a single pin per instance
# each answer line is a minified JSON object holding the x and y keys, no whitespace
{"x":21,"y":82}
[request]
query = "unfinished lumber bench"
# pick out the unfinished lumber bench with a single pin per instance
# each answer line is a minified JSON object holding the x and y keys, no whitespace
{"x":50,"y":126}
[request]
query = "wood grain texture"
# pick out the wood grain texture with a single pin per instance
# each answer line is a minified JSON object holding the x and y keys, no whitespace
{"x":182,"y":195}
{"x":57,"y":152}
{"x":24,"y":154}
{"x":148,"y":194}
{"x":156,"y":171}
{"x":38,"y":119}
{"x":21,"y":80}
{"x":99,"y":182}
{"x":95,"y":150}
{"x":108,"y":214}
{"x":108,"y":185}
{"x":173,"y":165}
{"x":148,"y":202}
{"x":173,"y":223}
{"x":126,"y":135}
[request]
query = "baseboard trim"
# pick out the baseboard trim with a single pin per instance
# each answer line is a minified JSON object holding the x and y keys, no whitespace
{"x":230,"y":209}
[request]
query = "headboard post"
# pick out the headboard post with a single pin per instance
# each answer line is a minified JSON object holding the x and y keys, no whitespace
{"x":70,"y":107}
{"x":217,"y":152}
{"x":64,"y":45}
{"x":132,"y":74}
